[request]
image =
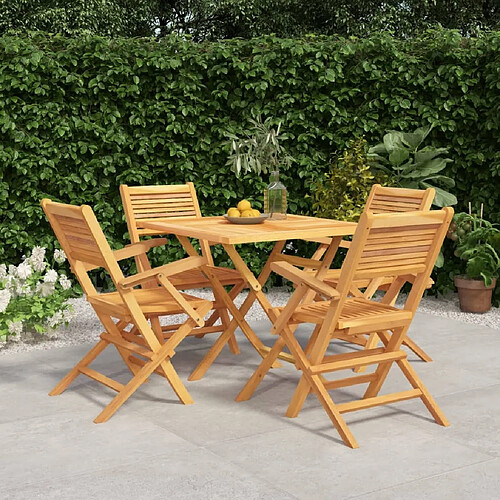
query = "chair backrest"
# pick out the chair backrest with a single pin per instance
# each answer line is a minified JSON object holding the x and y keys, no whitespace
{"x":143,"y":203}
{"x":83,"y":241}
{"x":390,"y":199}
{"x":394,"y":245}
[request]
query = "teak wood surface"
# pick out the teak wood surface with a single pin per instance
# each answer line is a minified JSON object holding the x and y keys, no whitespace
{"x":169,"y":202}
{"x":404,"y":246}
{"x":219,"y":230}
{"x":381,"y":200}
{"x":145,"y":348}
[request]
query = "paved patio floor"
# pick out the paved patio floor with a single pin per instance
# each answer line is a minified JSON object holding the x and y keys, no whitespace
{"x":155,"y":447}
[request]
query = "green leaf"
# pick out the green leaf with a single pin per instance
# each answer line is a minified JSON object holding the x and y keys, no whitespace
{"x":428,"y":153}
{"x":417,"y":171}
{"x":442,"y":198}
{"x":392,"y":140}
{"x":398,"y":155}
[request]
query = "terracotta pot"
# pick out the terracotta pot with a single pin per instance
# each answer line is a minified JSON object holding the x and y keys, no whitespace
{"x":473,"y":295}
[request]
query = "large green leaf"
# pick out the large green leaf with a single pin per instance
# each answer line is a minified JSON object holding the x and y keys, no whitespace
{"x":379,"y":148}
{"x":392,"y":140}
{"x":428,"y":168}
{"x":442,"y":198}
{"x":428,"y":153}
{"x":414,"y":139}
{"x":443,"y":180}
{"x":398,"y":155}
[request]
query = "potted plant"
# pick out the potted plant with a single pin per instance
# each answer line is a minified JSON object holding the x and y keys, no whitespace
{"x":260,"y":151}
{"x":478,"y":244}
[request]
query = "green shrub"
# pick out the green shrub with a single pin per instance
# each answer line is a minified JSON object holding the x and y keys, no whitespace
{"x":79,"y":116}
{"x":33,"y":296}
{"x":343,"y":191}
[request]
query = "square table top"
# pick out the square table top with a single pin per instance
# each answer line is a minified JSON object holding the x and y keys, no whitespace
{"x":220,"y":230}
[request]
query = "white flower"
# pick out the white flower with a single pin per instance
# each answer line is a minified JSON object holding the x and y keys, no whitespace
{"x":55,"y":320}
{"x":37,"y":258}
{"x":24,"y":290}
{"x":12,"y":271}
{"x":50,"y":277}
{"x":5,"y":296}
{"x":68,"y":315}
{"x":45,"y":289}
{"x":3,"y":271}
{"x":15,"y":327}
{"x":59,"y":256}
{"x":289,"y":246}
{"x":24,"y":270}
{"x":65,"y":282}
{"x":38,"y":253}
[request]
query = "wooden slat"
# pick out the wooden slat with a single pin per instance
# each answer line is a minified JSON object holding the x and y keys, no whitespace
{"x":378,"y":400}
{"x":350,"y":381}
{"x":99,"y":377}
{"x":129,"y":346}
{"x":362,"y":360}
{"x":285,"y":356}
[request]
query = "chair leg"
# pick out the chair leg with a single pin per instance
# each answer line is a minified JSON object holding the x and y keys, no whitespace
{"x":210,"y":356}
{"x":371,"y":343}
{"x":259,"y":374}
{"x":317,"y":384}
{"x":176,"y":383}
{"x":299,"y":397}
{"x":335,"y":416}
{"x":392,"y":343}
{"x":408,"y":342}
{"x":427,"y":399}
{"x":85,"y":361}
{"x":141,"y":376}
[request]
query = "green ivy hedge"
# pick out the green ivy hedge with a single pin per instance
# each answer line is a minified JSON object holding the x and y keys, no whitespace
{"x":79,"y":116}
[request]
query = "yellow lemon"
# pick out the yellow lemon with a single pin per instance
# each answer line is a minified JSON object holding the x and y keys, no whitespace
{"x":233,"y":212}
{"x":255,"y":212}
{"x":247,"y":213}
{"x":244,"y":205}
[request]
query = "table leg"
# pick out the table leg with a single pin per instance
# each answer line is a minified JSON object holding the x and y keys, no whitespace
{"x":254,"y":293}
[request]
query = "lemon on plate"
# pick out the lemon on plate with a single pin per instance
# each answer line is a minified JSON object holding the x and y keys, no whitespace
{"x":244,"y":205}
{"x":233,"y":212}
{"x":247,"y":213}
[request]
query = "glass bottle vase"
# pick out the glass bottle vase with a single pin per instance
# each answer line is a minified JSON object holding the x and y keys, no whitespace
{"x":275,"y":198}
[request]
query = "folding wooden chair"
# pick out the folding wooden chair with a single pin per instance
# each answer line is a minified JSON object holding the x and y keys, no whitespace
{"x":380,"y":200}
{"x":145,"y":347}
{"x":146,"y":203}
{"x":404,"y":246}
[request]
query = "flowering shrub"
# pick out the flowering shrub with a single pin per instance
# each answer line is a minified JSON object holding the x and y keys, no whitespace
{"x":33,"y":296}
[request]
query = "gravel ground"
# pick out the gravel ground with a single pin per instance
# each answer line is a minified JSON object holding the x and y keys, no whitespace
{"x":85,"y":327}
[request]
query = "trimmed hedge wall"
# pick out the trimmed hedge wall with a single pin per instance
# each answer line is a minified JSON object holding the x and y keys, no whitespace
{"x":79,"y":116}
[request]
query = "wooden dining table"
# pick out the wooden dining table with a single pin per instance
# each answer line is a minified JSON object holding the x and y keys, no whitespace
{"x":218,"y":230}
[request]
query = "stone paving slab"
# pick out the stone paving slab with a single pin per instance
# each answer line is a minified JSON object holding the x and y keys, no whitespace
{"x":155,"y":447}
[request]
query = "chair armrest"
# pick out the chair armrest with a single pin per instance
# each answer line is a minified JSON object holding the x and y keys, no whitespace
{"x":298,"y":277}
{"x":138,"y":248}
{"x":166,"y":270}
{"x":410,"y":278}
